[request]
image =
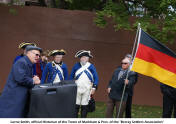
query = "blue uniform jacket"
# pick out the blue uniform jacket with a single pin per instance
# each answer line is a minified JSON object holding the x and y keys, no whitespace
{"x":15,"y":93}
{"x":91,"y":69}
{"x":49,"y":73}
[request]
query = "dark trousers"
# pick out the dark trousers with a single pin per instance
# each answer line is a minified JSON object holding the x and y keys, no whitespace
{"x":111,"y":103}
{"x":168,"y":105}
{"x":83,"y":111}
{"x":128,"y":107}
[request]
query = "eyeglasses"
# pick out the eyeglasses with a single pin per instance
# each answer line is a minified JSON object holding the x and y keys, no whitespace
{"x":36,"y":54}
{"x":124,"y":63}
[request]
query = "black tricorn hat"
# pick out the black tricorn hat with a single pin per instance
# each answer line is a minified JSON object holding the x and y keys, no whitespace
{"x":30,"y":47}
{"x":81,"y":53}
{"x":57,"y":52}
{"x":25,"y":44}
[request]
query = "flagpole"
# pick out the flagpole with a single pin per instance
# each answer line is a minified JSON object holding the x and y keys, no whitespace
{"x":133,"y":50}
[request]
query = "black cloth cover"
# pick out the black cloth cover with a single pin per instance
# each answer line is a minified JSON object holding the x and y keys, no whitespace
{"x":53,"y":100}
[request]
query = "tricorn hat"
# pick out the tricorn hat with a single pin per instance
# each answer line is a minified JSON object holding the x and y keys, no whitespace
{"x":81,"y":53}
{"x":24,"y":44}
{"x":57,"y":52}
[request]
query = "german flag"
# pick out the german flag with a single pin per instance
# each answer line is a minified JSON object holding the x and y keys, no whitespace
{"x":155,"y":60}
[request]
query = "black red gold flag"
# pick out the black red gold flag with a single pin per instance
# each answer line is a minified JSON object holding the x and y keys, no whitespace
{"x":155,"y":60}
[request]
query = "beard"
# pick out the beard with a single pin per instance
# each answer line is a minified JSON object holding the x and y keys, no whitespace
{"x":83,"y":63}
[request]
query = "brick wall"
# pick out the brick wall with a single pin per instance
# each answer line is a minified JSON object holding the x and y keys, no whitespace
{"x":72,"y":31}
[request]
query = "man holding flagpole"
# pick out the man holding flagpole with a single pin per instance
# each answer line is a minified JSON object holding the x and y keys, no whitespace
{"x":115,"y":88}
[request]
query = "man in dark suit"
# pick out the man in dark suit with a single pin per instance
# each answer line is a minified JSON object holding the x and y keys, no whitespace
{"x":169,"y":100}
{"x":14,"y":97}
{"x":115,"y":88}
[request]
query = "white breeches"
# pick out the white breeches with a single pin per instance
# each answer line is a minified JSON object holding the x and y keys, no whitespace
{"x":84,"y":87}
{"x":83,"y":98}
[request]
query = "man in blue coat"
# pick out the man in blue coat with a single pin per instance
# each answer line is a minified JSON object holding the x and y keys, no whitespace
{"x":14,"y":98}
{"x":55,"y":71}
{"x":86,"y":78}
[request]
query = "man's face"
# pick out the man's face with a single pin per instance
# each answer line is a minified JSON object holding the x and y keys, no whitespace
{"x":84,"y":60}
{"x":44,"y":58}
{"x":125,"y":64}
{"x":58,"y":58}
{"x":33,"y":56}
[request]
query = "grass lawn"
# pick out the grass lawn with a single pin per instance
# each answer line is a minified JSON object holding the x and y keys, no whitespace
{"x":138,"y":111}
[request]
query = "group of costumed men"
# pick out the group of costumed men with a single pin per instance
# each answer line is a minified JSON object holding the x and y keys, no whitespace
{"x":83,"y":72}
{"x":32,"y":68}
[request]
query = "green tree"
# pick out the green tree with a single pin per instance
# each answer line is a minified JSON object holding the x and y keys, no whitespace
{"x":157,"y":17}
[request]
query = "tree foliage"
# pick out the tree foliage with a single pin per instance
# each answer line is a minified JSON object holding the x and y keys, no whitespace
{"x":157,"y":17}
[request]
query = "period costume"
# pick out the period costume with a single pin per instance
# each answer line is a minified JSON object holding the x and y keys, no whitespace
{"x":14,"y":98}
{"x":86,"y":78}
{"x":55,"y":72}
{"x":117,"y":84}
